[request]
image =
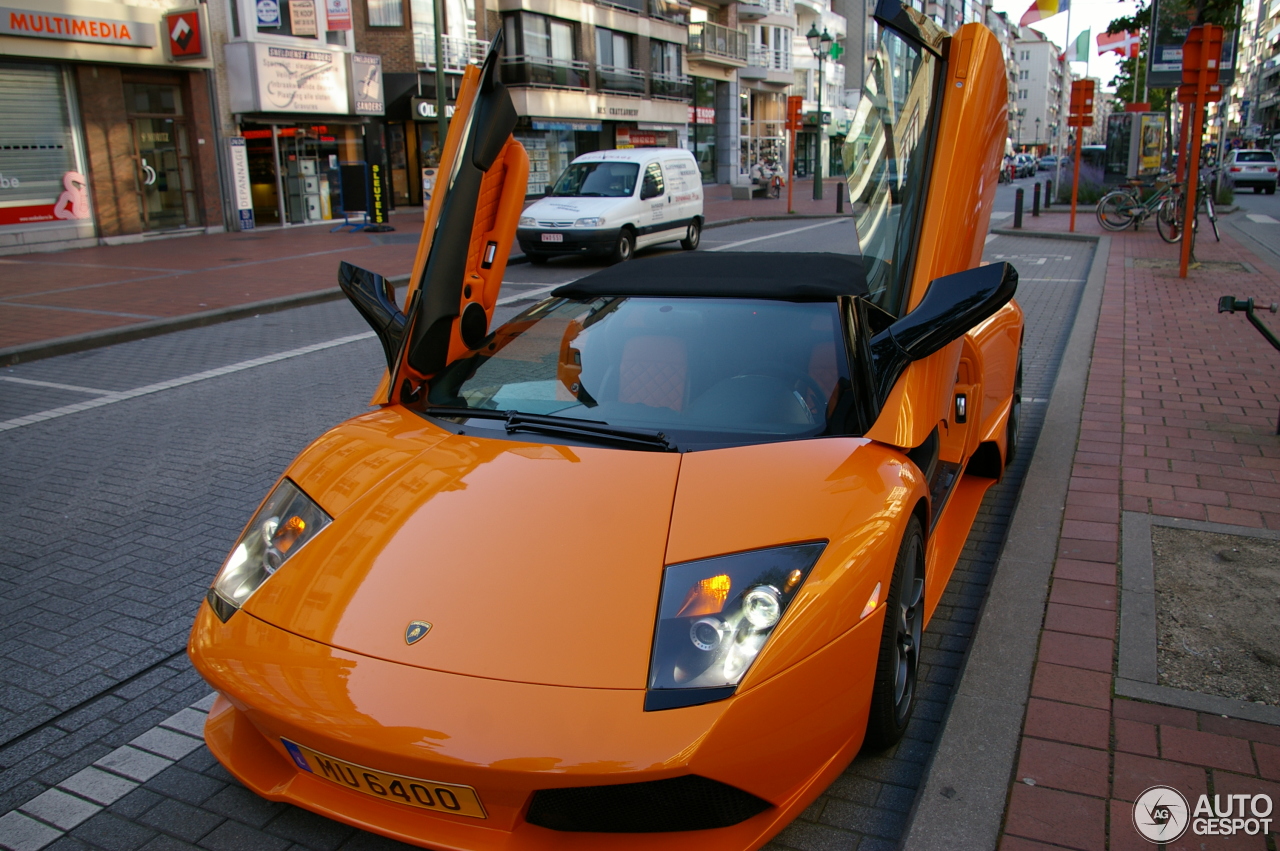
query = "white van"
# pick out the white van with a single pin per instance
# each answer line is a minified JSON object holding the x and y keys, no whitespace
{"x":613,"y":202}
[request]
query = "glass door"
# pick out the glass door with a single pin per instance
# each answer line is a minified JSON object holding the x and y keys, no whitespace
{"x":162,"y":156}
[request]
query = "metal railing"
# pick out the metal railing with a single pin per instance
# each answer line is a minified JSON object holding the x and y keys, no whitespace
{"x":766,"y":57}
{"x":675,"y":86}
{"x":613,"y":79}
{"x":523,"y":70}
{"x":670,"y":10}
{"x":459,"y":52}
{"x":708,"y":39}
{"x":636,"y":6}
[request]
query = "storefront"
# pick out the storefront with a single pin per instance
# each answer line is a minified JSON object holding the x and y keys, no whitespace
{"x":702,"y":127}
{"x":762,"y":130}
{"x":562,"y":125}
{"x":304,"y":113}
{"x":106,"y":131}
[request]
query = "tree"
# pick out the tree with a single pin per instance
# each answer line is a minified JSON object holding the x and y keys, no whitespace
{"x":1207,"y":12}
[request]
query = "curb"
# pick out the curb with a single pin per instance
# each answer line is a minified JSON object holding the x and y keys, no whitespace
{"x":14,"y":355}
{"x":1038,"y":234}
{"x":961,"y":803}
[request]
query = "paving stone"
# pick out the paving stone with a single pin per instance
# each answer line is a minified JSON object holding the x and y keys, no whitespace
{"x":133,"y":763}
{"x":233,"y":836}
{"x":1061,"y":818}
{"x":113,"y":833}
{"x":166,"y":743}
{"x":309,"y":829}
{"x":1208,"y":749}
{"x":187,"y":721}
{"x":98,"y":785}
{"x":60,"y":809}
{"x":180,"y":820}
{"x":23,"y":833}
{"x":239,"y":803}
{"x":135,"y":803}
{"x":184,"y":785}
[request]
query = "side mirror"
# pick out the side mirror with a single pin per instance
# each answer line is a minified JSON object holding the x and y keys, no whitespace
{"x":546,"y":190}
{"x":951,"y":306}
{"x":375,"y":298}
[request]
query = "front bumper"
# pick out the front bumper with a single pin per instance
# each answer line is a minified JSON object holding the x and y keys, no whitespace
{"x":575,"y":240}
{"x":784,"y":740}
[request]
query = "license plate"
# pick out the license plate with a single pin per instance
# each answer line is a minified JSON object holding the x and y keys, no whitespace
{"x":553,"y":237}
{"x":413,"y":791}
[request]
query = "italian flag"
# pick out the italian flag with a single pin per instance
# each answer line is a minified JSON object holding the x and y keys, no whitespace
{"x":1042,"y":9}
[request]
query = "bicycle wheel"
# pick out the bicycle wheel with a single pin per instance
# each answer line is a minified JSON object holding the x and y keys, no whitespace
{"x":1169,"y":220}
{"x":1213,"y":216}
{"x":1114,"y":210}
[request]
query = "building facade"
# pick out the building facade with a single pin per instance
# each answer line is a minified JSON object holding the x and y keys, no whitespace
{"x":1044,"y":90}
{"x":107,"y":134}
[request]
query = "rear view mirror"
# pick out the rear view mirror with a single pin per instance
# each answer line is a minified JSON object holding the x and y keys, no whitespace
{"x":951,"y":306}
{"x":375,"y":298}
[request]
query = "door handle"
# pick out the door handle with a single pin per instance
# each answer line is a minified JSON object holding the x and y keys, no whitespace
{"x":149,"y":173}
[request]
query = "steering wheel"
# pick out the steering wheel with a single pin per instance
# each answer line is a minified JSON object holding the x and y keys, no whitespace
{"x":808,"y":391}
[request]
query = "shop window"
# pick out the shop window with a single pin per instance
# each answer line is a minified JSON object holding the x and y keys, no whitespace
{"x":41,"y":178}
{"x":283,"y":23}
{"x":386,"y":13}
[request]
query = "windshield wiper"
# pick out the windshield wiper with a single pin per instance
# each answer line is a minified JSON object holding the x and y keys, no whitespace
{"x":635,"y":438}
{"x":632,"y":438}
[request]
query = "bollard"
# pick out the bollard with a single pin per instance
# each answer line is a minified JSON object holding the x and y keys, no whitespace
{"x":1048,"y":191}
{"x":1035,"y":200}
{"x":839,"y":199}
{"x":1017,"y":208}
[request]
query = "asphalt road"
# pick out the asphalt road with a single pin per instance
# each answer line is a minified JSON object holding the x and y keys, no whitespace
{"x":128,"y":471}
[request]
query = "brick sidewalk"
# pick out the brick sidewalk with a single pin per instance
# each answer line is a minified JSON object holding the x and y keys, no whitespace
{"x":62,"y":294}
{"x":1178,"y":421}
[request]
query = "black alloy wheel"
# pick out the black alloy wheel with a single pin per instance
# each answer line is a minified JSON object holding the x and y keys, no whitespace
{"x":893,"y":697}
{"x":694,"y":236}
{"x":625,"y":247}
{"x":1014,"y":424}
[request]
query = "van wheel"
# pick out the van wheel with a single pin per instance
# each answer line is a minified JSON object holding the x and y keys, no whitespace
{"x":690,"y":242}
{"x":536,"y":259}
{"x":625,"y":247}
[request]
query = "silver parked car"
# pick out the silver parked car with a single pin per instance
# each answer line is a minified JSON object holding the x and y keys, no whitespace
{"x":1251,"y":168}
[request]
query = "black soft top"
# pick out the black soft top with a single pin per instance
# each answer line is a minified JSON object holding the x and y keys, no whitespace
{"x":725,"y":274}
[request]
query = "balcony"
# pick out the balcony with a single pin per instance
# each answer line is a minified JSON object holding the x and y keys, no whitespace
{"x":636,"y":6}
{"x":675,"y":11}
{"x":544,"y":71}
{"x":752,"y":10}
{"x":458,"y":52}
{"x":625,"y":80}
{"x":717,"y":44}
{"x":766,"y":63}
{"x":672,"y":86}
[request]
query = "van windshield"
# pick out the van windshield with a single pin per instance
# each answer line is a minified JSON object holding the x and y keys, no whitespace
{"x":597,"y":180}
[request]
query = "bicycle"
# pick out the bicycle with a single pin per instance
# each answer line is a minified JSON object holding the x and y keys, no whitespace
{"x":1121,"y":208}
{"x":1170,"y":216}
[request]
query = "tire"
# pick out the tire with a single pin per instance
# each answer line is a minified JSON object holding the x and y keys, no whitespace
{"x":537,"y":259}
{"x":1271,"y":190}
{"x":893,"y":697}
{"x":1169,"y":220}
{"x":690,"y":242}
{"x":1257,"y":190}
{"x":1113,"y":210}
{"x":1013,"y":426}
{"x":624,"y":248}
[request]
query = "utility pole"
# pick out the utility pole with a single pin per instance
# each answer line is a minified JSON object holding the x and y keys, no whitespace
{"x":442,"y":123}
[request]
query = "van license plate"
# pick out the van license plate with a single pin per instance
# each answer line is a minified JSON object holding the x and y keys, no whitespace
{"x":553,"y":237}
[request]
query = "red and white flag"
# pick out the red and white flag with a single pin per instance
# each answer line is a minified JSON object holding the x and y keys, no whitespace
{"x":1125,"y":43}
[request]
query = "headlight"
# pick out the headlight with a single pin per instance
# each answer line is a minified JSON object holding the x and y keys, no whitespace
{"x":596,"y":222}
{"x":714,"y":618}
{"x":528,"y":221}
{"x":284,"y":524}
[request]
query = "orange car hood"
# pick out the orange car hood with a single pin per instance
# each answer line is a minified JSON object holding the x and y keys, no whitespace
{"x":533,"y":563}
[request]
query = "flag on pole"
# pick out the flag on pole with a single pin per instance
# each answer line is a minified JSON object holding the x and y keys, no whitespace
{"x":1041,"y":9}
{"x":1080,"y":48}
{"x":1125,"y":43}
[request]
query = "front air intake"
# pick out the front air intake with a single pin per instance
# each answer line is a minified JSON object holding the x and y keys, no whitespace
{"x":655,"y":806}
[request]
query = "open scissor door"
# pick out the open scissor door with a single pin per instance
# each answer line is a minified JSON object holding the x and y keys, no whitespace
{"x":466,"y":238}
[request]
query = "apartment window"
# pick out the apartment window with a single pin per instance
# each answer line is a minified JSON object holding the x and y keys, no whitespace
{"x":542,"y":51}
{"x":544,"y":37}
{"x":613,"y":49}
{"x":666,"y":58}
{"x":386,"y":13}
{"x":1022,"y":75}
{"x":1022,"y":94}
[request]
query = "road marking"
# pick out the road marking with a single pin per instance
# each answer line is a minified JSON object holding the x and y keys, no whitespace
{"x":56,"y":386}
{"x":125,"y":395}
{"x":48,"y":816}
{"x":534,"y":293}
{"x":990,"y":237}
{"x":1055,"y":280}
{"x":1000,"y":214}
{"x":776,"y":235}
{"x":8,"y":303}
{"x":1261,"y":218}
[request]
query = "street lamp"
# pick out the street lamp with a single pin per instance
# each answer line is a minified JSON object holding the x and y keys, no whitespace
{"x":1037,"y":134}
{"x":820,"y":44}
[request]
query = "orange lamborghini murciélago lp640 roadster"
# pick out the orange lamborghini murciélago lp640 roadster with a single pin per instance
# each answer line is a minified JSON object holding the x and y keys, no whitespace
{"x":649,"y":563}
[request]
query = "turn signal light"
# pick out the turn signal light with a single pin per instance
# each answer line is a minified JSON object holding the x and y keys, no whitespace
{"x":706,"y":598}
{"x":872,"y":602}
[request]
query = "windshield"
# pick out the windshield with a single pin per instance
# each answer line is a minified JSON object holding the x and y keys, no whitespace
{"x":598,"y":180}
{"x":885,"y":154}
{"x":701,"y":370}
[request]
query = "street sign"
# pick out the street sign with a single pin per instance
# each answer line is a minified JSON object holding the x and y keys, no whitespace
{"x":812,"y":117}
{"x":795,"y":103}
